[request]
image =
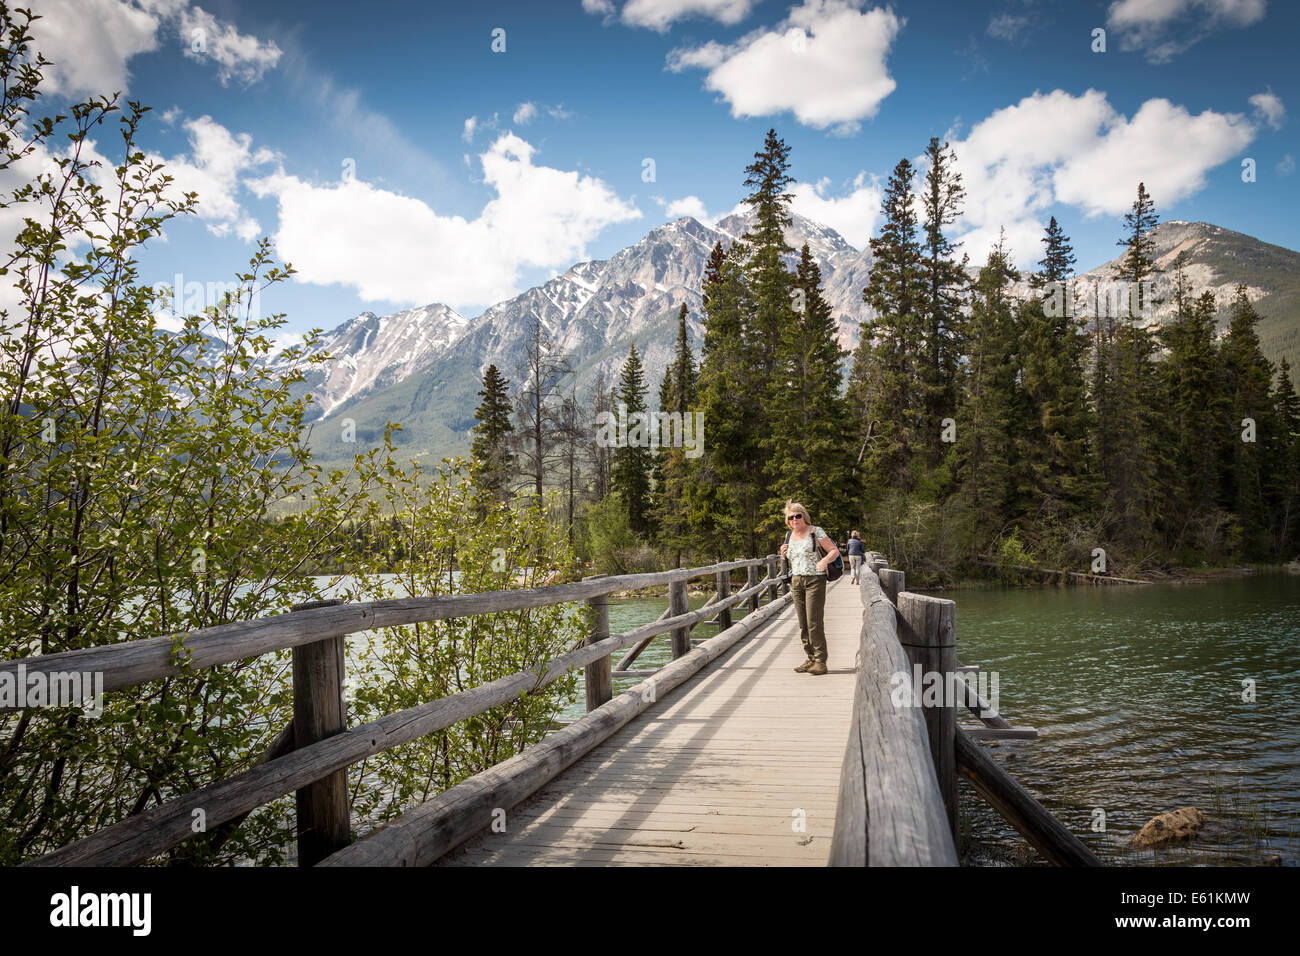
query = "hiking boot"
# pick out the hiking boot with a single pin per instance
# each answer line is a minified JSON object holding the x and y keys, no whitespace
{"x":805,"y":666}
{"x":818,"y":667}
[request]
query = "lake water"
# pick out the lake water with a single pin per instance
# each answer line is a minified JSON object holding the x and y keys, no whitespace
{"x":1137,"y":696}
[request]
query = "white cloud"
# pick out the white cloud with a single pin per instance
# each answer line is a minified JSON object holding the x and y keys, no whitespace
{"x":1079,"y":150}
{"x":1286,"y":166}
{"x":525,"y":113}
{"x":852,"y":215}
{"x":691,"y":206}
{"x":217,"y":162}
{"x":396,"y":248}
{"x":1268,"y":106}
{"x":92,"y":41}
{"x":825,"y":63}
{"x":467,"y":134}
{"x":238,"y":55}
{"x":661,"y":14}
{"x":1166,"y":28}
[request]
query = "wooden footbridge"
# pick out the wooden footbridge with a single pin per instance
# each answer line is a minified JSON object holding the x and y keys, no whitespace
{"x":724,"y":756}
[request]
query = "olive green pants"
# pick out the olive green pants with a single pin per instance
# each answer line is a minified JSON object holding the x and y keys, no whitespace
{"x":808,"y":591}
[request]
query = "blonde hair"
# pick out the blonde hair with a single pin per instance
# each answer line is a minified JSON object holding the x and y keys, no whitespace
{"x":796,"y":508}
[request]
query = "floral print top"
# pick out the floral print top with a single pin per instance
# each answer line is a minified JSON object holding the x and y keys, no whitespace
{"x":802,"y":553}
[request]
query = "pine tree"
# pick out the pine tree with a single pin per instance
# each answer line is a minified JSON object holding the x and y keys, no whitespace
{"x":725,"y":390}
{"x":886,"y":387}
{"x":769,"y":280}
{"x":943,"y":281}
{"x":1058,"y":261}
{"x":988,"y":430}
{"x":1128,"y":438}
{"x":674,"y":490}
{"x":1054,"y":445}
{"x":492,"y":460}
{"x":1250,"y":429}
{"x":632,"y":458}
{"x":810,"y":445}
{"x":1194,"y":412}
{"x":1286,"y":470}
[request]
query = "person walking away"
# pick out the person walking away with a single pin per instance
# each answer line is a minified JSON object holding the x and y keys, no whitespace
{"x":857,"y":554}
{"x":802,"y":548}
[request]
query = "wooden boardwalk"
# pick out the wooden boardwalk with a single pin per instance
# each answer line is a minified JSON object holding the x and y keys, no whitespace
{"x":738,"y":766}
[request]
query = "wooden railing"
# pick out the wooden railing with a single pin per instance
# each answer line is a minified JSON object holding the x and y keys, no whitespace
{"x":898,"y":783}
{"x":311,"y":756}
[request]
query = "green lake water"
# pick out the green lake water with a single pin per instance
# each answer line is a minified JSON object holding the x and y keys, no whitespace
{"x":1136,"y":693}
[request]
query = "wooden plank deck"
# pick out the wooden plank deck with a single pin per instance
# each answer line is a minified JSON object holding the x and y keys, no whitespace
{"x":713,"y":774}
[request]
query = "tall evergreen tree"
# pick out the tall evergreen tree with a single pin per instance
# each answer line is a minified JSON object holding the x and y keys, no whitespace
{"x":1247,"y":377}
{"x":1128,"y":437}
{"x":1054,"y":445}
{"x":989,"y":428}
{"x":674,"y":491}
{"x":1286,"y":468}
{"x":632,"y":458}
{"x":493,"y":461}
{"x":810,"y":444}
{"x":886,"y":387}
{"x":943,"y":282}
{"x":1194,"y":413}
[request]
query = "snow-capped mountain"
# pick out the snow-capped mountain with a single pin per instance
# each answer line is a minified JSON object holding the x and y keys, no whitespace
{"x":372,"y":352}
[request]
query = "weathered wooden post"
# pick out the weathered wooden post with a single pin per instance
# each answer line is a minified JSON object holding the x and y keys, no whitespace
{"x":891,"y":582}
{"x":600,"y":683}
{"x":320,"y":711}
{"x":677,"y":604}
{"x":751,"y":579}
{"x":773,"y":572}
{"x":927,"y":629}
{"x":724,"y":592}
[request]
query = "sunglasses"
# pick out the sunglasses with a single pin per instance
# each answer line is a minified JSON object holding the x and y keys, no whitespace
{"x":794,"y":517}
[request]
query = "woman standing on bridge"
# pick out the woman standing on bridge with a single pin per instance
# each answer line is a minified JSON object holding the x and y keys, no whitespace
{"x":808,"y":583}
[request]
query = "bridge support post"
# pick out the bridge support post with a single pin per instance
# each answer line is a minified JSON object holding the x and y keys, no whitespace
{"x":320,"y":711}
{"x":751,"y":578}
{"x":773,"y":570}
{"x":677,"y":604}
{"x":891,"y":582}
{"x":724,"y":592}
{"x":927,"y":629}
{"x":600,"y":682}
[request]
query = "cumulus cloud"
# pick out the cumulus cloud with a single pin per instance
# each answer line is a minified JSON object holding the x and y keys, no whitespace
{"x":92,"y":41}
{"x":661,"y":14}
{"x":525,"y":113}
{"x":1078,"y":150}
{"x":1166,"y":28}
{"x":853,"y":215}
{"x":396,"y":248}
{"x":692,"y":206}
{"x":1268,"y":106}
{"x":825,"y":63}
{"x":214,"y":168}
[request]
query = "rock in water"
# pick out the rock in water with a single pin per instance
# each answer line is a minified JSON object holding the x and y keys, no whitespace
{"x":1165,"y":828}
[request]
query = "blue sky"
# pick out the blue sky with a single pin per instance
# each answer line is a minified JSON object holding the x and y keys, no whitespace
{"x":397,"y":159}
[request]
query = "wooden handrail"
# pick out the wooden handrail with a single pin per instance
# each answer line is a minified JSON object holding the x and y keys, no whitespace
{"x":131,"y":663}
{"x":148,"y":834}
{"x":891,"y":810}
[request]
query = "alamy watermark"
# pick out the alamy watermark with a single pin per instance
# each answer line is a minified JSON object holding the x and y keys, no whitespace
{"x":84,"y":689}
{"x":652,"y":429}
{"x":1114,"y":298}
{"x":195,"y":298}
{"x":939,"y":689}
